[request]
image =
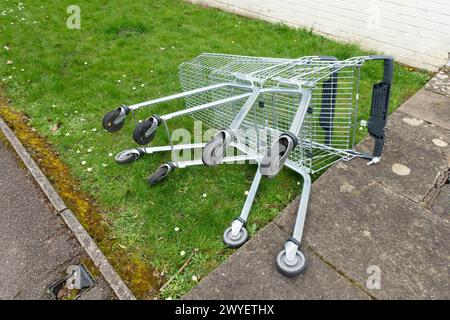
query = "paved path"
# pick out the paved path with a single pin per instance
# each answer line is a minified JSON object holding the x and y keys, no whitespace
{"x":361,"y":216}
{"x":36,"y":246}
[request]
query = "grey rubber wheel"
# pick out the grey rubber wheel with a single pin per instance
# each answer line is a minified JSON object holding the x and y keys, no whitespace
{"x":127,"y":156}
{"x":108,"y":121}
{"x":275,"y":157}
{"x":210,"y":155}
{"x":233,"y":242}
{"x":291,"y":269}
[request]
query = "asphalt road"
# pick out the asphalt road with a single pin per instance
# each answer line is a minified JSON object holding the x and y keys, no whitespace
{"x":36,"y":247}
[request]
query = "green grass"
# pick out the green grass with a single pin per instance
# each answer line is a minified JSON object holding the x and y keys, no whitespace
{"x":71,"y":77}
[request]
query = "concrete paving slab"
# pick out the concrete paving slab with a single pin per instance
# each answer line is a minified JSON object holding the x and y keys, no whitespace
{"x":420,"y":131}
{"x":37,"y":246}
{"x":354,"y":223}
{"x":251,"y":273}
{"x":429,"y":106}
{"x":407,"y":167}
{"x":440,"y":83}
{"x":441,"y":204}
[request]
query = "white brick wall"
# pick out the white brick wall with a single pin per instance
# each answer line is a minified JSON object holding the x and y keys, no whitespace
{"x":415,"y":32}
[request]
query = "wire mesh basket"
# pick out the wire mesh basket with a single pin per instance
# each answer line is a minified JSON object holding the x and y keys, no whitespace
{"x":329,"y":126}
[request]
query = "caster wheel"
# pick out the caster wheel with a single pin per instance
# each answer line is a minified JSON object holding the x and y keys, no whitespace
{"x":291,"y":269}
{"x":127,"y":156}
{"x":109,"y":119}
{"x":277,"y":154}
{"x":214,"y":151}
{"x":146,"y":131}
{"x":235,"y":242}
{"x":161,"y":173}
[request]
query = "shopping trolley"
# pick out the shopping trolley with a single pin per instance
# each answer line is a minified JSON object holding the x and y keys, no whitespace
{"x":299,"y":113}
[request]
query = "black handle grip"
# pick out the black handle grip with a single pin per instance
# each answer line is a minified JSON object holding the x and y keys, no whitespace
{"x":388,"y":73}
{"x":380,"y":104}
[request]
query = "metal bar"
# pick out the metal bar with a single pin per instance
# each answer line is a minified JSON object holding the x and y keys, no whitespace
{"x":300,"y":113}
{"x":302,"y":208}
{"x":185,"y":94}
{"x":280,"y":90}
{"x":184,"y":164}
{"x":245,"y":109}
{"x":251,"y":196}
{"x":204,"y":106}
{"x":238,"y":223}
{"x":175,"y":147}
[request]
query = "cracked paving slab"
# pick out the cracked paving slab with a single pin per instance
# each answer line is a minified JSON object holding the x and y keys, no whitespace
{"x":441,"y":204}
{"x":407,"y":167}
{"x":370,"y":225}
